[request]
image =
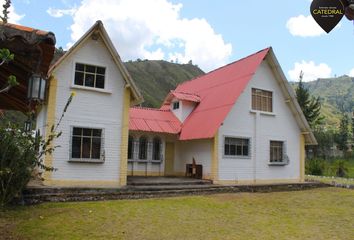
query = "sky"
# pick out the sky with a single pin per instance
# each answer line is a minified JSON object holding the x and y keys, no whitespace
{"x":211,"y":33}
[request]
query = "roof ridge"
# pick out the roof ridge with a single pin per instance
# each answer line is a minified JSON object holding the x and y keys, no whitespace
{"x":186,"y":93}
{"x":224,"y":66}
{"x":153,"y":109}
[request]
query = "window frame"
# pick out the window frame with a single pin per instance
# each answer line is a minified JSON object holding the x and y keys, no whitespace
{"x":285,"y":158}
{"x":254,"y":106}
{"x":159,"y":153}
{"x":145,"y":150}
{"x":248,"y":156}
{"x":101,"y":159}
{"x":104,"y":89}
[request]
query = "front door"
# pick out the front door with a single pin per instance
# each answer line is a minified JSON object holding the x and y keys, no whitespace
{"x":169,"y":158}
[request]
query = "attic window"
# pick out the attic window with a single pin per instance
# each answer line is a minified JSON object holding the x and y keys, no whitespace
{"x":175,"y":105}
{"x":262,"y":100}
{"x":89,"y":75}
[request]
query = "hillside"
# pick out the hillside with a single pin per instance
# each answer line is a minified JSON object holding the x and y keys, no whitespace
{"x":336,"y":94}
{"x":155,"y":78}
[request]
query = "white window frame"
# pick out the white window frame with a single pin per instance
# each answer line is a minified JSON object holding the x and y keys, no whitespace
{"x":285,"y":158}
{"x":237,"y":156}
{"x":87,"y":160}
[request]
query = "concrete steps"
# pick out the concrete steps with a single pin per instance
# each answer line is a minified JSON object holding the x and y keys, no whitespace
{"x":50,"y":194}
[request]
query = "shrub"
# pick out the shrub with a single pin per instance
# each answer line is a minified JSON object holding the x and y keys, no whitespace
{"x":340,"y":168}
{"x":315,"y":167}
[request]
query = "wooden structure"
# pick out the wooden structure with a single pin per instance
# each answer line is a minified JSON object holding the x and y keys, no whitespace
{"x":33,"y":50}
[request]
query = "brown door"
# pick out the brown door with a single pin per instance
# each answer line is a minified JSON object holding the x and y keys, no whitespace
{"x":169,"y":158}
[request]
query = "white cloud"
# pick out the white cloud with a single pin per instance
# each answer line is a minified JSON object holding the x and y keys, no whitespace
{"x":57,"y":13}
{"x":13,"y":17}
{"x":304,"y":26}
{"x":351,"y":73}
{"x":311,"y":71}
{"x":137,"y":26}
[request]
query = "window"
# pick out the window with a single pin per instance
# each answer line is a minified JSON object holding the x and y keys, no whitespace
{"x":236,"y":147}
{"x":276,"y":152}
{"x":156,"y":149}
{"x":262,"y":100}
{"x":143,"y":148}
{"x":86,"y":143}
{"x":89,"y":75}
{"x":175,"y":105}
{"x":130,"y":147}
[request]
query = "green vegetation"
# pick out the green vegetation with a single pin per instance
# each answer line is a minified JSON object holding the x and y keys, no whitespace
{"x":330,"y":167}
{"x":325,"y":213}
{"x":156,"y":78}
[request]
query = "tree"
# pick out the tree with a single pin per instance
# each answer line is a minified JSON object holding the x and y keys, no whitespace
{"x":310,"y":106}
{"x":343,"y":133}
{"x":5,"y":11}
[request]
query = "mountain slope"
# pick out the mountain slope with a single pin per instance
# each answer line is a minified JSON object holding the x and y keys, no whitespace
{"x":155,"y":78}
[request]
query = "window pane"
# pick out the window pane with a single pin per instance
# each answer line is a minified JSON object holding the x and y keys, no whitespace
{"x":99,"y":81}
{"x":96,"y":132}
{"x":76,"y":147}
{"x":227,"y":149}
{"x":232,"y":150}
{"x":77,"y":131}
{"x":79,"y":67}
{"x":101,"y":70}
{"x":79,"y":78}
{"x":238,"y":150}
{"x":130,"y":147}
{"x":245,"y":151}
{"x":89,"y":80}
{"x":87,"y":132}
{"x":91,"y":69}
{"x":86,"y":147}
{"x":96,"y":148}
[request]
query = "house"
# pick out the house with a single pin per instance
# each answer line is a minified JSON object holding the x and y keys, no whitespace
{"x":238,"y":124}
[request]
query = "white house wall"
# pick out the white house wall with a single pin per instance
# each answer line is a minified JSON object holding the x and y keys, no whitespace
{"x":200,"y":150}
{"x":91,"y":109}
{"x":260,"y":128}
{"x":185,"y":108}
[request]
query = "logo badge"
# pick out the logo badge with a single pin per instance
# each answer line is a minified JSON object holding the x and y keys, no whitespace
{"x":327,"y":13}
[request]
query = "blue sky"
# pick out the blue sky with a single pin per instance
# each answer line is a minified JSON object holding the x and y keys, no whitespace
{"x":210,"y":33}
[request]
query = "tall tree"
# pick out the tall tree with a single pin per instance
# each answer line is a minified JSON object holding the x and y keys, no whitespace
{"x":343,"y":133}
{"x":5,"y":11}
{"x":310,"y":106}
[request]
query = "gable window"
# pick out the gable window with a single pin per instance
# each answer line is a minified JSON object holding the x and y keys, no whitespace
{"x":130,"y":147}
{"x":156,"y":149}
{"x":262,"y":100}
{"x":277,"y":152}
{"x":236,"y":147}
{"x":86,"y":143}
{"x":89,"y":75}
{"x":143,"y":148}
{"x":175,"y":105}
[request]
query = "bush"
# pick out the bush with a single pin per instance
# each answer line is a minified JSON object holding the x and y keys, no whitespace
{"x":340,"y":168}
{"x":20,"y":154}
{"x":315,"y":167}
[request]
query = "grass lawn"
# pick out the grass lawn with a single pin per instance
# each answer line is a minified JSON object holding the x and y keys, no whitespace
{"x":326,"y":213}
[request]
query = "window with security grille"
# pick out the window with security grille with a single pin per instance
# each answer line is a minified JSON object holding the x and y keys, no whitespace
{"x":130,"y":147}
{"x":276,"y":152}
{"x":262,"y":100}
{"x":86,"y":143}
{"x":143,"y":147}
{"x":89,"y":75}
{"x":156,"y":149}
{"x":236,"y":146}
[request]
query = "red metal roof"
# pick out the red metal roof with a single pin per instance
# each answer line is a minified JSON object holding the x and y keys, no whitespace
{"x":218,"y":90}
{"x":186,"y":96}
{"x":153,"y":120}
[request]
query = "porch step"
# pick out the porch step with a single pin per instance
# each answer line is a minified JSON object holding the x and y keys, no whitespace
{"x":50,"y":194}
{"x":165,"y":181}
